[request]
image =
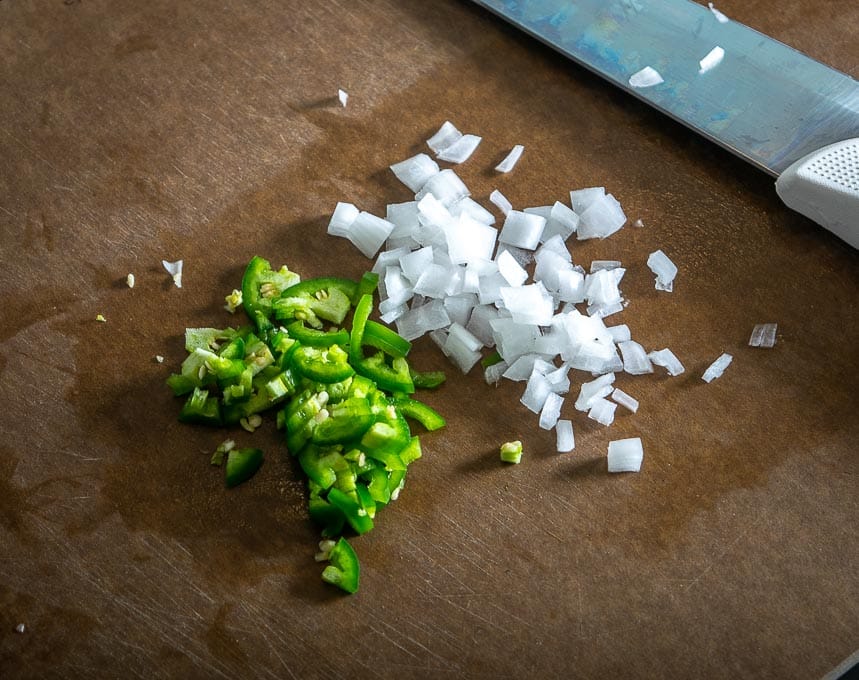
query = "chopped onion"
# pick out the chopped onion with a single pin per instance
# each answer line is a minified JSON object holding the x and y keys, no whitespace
{"x":343,"y":96}
{"x":342,"y":218}
{"x":625,"y":455}
{"x":461,"y":150}
{"x":763,"y":335}
{"x":459,"y":307}
{"x":536,"y":392}
{"x":492,"y":374}
{"x":664,"y":269}
{"x":175,"y":271}
{"x":595,"y":389}
{"x":562,"y":222}
{"x":414,"y":263}
{"x":602,"y":410}
{"x":624,"y":399}
{"x":603,"y":217}
{"x":635,"y":361}
{"x":721,"y":18}
{"x":581,"y":199}
{"x":470,"y":207}
{"x":598,"y":265}
{"x":565,"y":439}
{"x":479,"y":323}
{"x":646,"y":77}
{"x":529,"y":304}
{"x":415,"y":171}
{"x":462,"y":347}
{"x":368,"y":232}
{"x":620,"y":333}
{"x":446,"y":186}
{"x":497,"y":198}
{"x":510,"y":269}
{"x":469,"y":240}
{"x":667,"y":359}
{"x":129,"y":280}
{"x":551,"y":411}
{"x":447,"y":134}
{"x":711,"y":60}
{"x":522,"y":229}
{"x":521,"y":369}
{"x":717,"y":368}
{"x":511,"y":159}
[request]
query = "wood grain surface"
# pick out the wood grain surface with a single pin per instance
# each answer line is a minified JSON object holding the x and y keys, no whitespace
{"x":209,"y":131}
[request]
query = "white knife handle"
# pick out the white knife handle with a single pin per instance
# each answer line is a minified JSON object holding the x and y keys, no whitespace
{"x":824,"y":186}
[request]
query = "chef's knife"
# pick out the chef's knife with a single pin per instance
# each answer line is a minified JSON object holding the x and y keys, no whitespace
{"x":773,"y":106}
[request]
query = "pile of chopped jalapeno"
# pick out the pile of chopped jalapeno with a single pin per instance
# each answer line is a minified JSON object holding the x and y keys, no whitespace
{"x":343,"y":396}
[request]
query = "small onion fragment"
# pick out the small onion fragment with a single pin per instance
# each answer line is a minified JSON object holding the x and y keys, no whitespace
{"x":447,"y":134}
{"x":511,"y":159}
{"x":565,"y":438}
{"x":461,"y":150}
{"x":625,"y":455}
{"x":646,"y":77}
{"x":717,"y":368}
{"x":522,"y":229}
{"x":711,"y":60}
{"x":635,"y":360}
{"x":175,"y":271}
{"x":664,"y":269}
{"x":497,"y":198}
{"x":668,"y":360}
{"x":721,"y":18}
{"x":415,"y":171}
{"x":343,"y":96}
{"x":602,"y":410}
{"x":625,"y":400}
{"x":551,"y":411}
{"x":763,"y":335}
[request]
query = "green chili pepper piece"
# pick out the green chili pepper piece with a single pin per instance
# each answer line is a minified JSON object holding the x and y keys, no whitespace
{"x":242,"y":464}
{"x":326,"y":365}
{"x":383,"y":338}
{"x":491,"y":359}
{"x":368,"y":283}
{"x":260,"y":286}
{"x":417,"y":410}
{"x":346,"y":421}
{"x":344,"y":570}
{"x":355,"y":515}
{"x":428,"y":379}
{"x":201,"y":409}
{"x":316,"y":338}
{"x":411,"y":451}
{"x":359,"y":323}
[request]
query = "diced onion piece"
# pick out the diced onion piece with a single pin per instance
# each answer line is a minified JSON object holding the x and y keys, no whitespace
{"x":498,"y":199}
{"x":529,"y":304}
{"x":369,"y":232}
{"x":175,"y":271}
{"x":536,"y":392}
{"x":433,"y":281}
{"x":522,"y":229}
{"x":646,"y":77}
{"x":589,"y":392}
{"x":667,"y":359}
{"x":342,"y":218}
{"x":559,"y":379}
{"x":551,"y":411}
{"x":717,"y":368}
{"x":391,"y":313}
{"x":469,"y":240}
{"x":624,"y":399}
{"x":711,"y":60}
{"x":414,"y":263}
{"x":397,"y":288}
{"x":459,"y":307}
{"x":620,"y":333}
{"x":602,"y":410}
{"x":415,"y":171}
{"x":763,"y":335}
{"x":635,"y":361}
{"x":388,"y":258}
{"x":470,"y":207}
{"x":721,"y":18}
{"x":343,"y":96}
{"x":511,"y":159}
{"x":625,"y":455}
{"x":521,"y":369}
{"x":598,"y":265}
{"x":603,"y":217}
{"x":562,"y":222}
{"x":601,"y":288}
{"x":565,"y":439}
{"x":510,"y":269}
{"x":581,"y":199}
{"x":492,"y":374}
{"x":446,"y":186}
{"x":462,"y":347}
{"x":478,"y":324}
{"x":513,"y":339}
{"x":461,"y":150}
{"x":639,"y":223}
{"x":129,"y":280}
{"x":664,"y":269}
{"x":447,"y":134}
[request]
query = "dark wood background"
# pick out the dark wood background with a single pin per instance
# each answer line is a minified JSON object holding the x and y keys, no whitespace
{"x":132,"y":132}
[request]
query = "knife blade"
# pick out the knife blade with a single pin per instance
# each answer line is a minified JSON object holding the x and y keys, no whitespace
{"x":789,"y":115}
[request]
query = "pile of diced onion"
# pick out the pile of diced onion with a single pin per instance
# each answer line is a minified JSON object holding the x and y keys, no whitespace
{"x":448,"y":272}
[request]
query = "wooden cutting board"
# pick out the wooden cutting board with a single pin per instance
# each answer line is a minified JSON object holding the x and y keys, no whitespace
{"x":135,"y":132}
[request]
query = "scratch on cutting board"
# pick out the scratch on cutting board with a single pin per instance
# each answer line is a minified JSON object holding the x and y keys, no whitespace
{"x":262,"y":617}
{"x":412,"y":640}
{"x":712,"y":563}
